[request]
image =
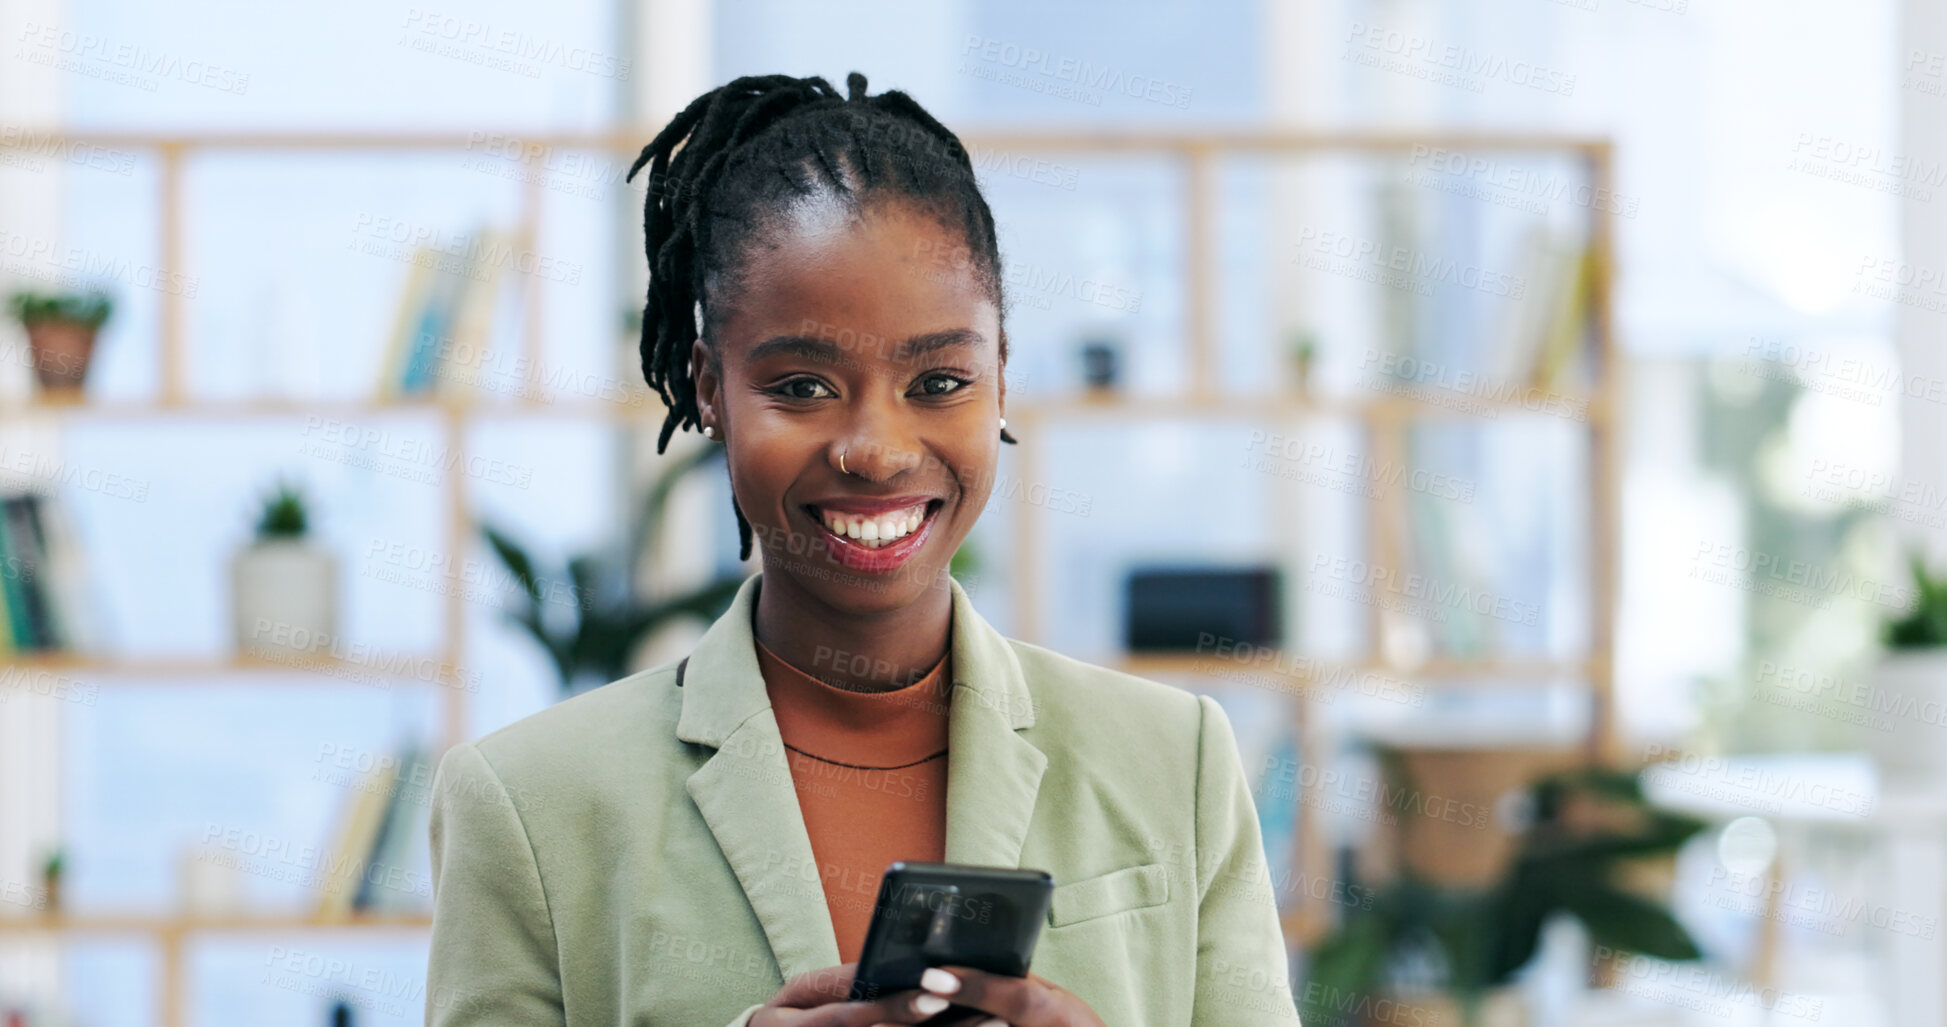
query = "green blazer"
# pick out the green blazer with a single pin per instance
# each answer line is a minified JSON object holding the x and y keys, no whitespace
{"x":635,"y":855}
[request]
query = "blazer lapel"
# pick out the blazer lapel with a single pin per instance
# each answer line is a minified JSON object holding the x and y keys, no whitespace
{"x":745,"y":794}
{"x":993,"y":774}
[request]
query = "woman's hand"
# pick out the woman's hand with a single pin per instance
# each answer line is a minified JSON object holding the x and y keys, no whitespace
{"x":818,"y":999}
{"x":1017,"y":1001}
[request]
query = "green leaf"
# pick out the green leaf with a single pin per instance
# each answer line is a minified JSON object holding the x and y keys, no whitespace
{"x":648,"y":528}
{"x":515,"y":558}
{"x":1620,"y":920}
{"x":91,"y":308}
{"x":1347,"y":965}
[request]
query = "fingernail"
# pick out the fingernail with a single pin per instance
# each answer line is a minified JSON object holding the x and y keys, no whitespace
{"x":927,"y":1005}
{"x":991,"y":1022}
{"x":939,"y":981}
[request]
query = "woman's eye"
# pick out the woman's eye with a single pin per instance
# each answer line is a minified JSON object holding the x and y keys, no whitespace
{"x":790,"y":389}
{"x":952,"y":384}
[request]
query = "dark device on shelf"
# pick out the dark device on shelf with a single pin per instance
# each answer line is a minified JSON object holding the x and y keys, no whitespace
{"x":1172,"y":608}
{"x":950,"y":914}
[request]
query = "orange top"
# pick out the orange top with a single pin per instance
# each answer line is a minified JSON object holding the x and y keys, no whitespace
{"x":870,"y":772}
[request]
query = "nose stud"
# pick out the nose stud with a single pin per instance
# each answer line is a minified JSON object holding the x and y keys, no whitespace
{"x":841,"y":463}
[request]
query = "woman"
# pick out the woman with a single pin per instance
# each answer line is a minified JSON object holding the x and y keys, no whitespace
{"x":700,"y":843}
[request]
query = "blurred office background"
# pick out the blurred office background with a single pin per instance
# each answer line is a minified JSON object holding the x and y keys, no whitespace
{"x":1523,"y":417}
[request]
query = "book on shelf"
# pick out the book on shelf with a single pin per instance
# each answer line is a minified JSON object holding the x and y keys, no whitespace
{"x":445,"y":311}
{"x":347,"y":863}
{"x":1565,"y":343}
{"x":1543,"y":331}
{"x":41,"y":577}
{"x":377,"y":860}
{"x":394,"y":884}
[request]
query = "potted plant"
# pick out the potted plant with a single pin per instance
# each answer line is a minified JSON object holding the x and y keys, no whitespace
{"x":61,"y":330}
{"x":1446,"y":954}
{"x":1911,"y":677}
{"x":284,"y":587}
{"x":1303,"y":353}
{"x":590,"y":619}
{"x":51,"y":870}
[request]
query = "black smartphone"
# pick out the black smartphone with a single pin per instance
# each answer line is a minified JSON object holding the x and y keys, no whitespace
{"x":950,"y":914}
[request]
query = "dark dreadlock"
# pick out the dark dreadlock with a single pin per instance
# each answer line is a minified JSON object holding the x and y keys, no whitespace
{"x":734,"y":161}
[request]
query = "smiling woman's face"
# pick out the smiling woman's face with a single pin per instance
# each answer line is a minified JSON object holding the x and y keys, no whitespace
{"x":869,"y":339}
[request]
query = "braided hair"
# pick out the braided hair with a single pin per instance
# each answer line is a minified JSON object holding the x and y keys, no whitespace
{"x":731,"y":166}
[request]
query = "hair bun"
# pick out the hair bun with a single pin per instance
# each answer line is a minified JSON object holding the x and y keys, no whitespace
{"x":855,"y":86}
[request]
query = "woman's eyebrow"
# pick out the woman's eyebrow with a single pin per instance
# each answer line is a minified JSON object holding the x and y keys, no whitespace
{"x":814,"y":348}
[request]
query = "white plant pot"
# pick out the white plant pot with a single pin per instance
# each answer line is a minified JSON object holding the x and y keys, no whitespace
{"x":1910,"y":695}
{"x":285,"y":596}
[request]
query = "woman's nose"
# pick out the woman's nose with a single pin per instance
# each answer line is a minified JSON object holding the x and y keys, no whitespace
{"x":872,"y":458}
{"x":879,"y":446}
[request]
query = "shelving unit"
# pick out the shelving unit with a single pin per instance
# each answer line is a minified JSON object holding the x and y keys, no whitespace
{"x":1385,"y":418}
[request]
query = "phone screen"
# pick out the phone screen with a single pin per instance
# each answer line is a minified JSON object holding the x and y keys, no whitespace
{"x":944,"y":914}
{"x":910,"y":918}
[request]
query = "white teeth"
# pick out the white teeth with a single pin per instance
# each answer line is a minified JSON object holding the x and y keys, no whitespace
{"x":875,"y":532}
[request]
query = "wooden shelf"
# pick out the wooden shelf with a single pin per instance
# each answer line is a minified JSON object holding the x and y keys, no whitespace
{"x":240,"y":668}
{"x":1457,"y":671}
{"x":1387,"y":413}
{"x":1407,"y":406}
{"x":163,"y":924}
{"x":1081,"y":137}
{"x":1142,"y":665}
{"x":648,"y":412}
